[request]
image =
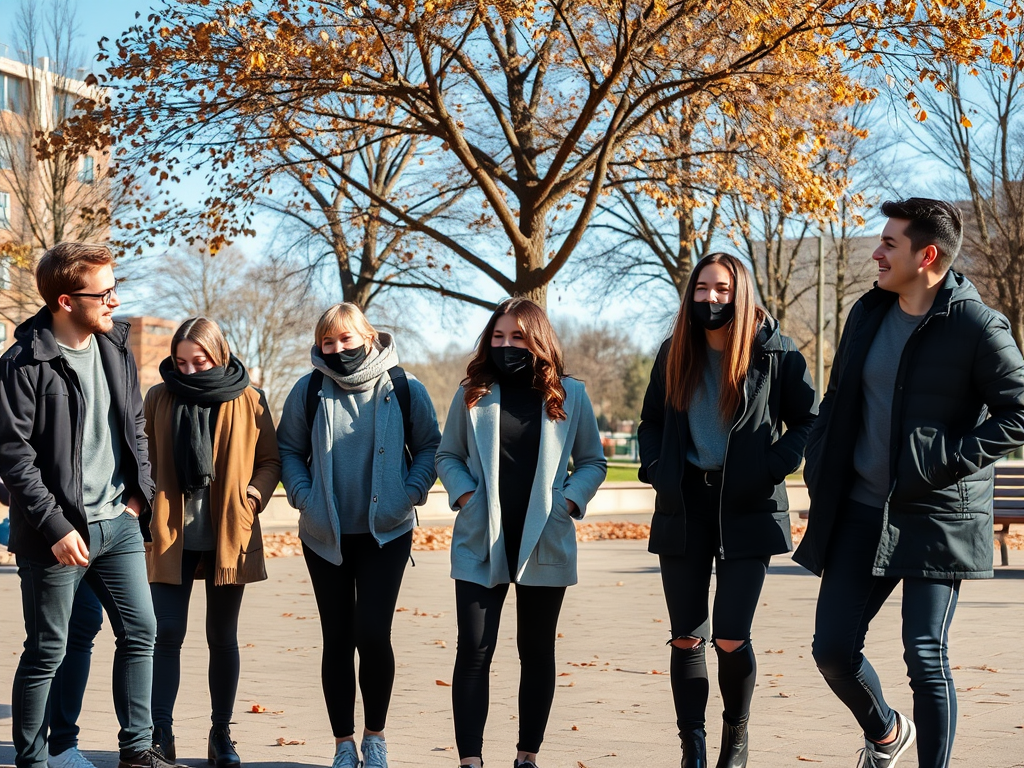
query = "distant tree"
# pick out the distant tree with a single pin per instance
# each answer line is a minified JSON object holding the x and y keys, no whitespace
{"x":263,"y":307}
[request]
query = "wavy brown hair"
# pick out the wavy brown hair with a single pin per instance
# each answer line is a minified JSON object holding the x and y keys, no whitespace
{"x":207,"y":334}
{"x":540,"y":339}
{"x":687,"y":354}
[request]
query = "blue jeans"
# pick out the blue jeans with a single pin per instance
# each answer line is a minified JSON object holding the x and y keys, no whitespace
{"x":117,"y":574}
{"x":72,"y":676}
{"x":849,"y":598}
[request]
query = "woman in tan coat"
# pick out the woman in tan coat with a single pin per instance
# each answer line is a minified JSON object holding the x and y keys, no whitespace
{"x":215,"y":463}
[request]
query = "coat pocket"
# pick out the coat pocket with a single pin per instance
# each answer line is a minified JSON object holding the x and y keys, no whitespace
{"x":558,"y":538}
{"x":922,"y":465}
{"x":471,"y":532}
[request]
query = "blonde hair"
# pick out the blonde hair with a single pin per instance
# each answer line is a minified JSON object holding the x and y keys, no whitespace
{"x":206,"y":334}
{"x":344,"y":317}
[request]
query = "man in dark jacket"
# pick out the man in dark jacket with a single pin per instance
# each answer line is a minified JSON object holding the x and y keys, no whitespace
{"x":926,"y":392}
{"x":73,"y":455}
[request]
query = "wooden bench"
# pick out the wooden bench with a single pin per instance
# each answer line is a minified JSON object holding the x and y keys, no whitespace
{"x":1008,"y":502}
{"x":1008,"y":506}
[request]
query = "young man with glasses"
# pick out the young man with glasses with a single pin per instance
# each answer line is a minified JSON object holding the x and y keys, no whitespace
{"x":926,"y":392}
{"x":73,"y":454}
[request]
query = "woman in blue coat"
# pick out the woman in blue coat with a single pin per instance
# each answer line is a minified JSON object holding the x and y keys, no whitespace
{"x":513,"y":427}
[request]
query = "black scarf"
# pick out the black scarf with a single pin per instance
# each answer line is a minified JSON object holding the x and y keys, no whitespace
{"x":196,"y":396}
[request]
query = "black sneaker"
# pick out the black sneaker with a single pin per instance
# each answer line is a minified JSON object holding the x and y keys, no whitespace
{"x":149,"y":758}
{"x":885,"y":755}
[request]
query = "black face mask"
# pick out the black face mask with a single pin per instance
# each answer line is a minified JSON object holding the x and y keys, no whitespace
{"x":511,"y":360}
{"x":713,"y":316}
{"x":345,"y":362}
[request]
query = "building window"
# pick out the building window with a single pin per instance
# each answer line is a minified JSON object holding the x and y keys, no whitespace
{"x":6,"y":163}
{"x":5,"y":279}
{"x":5,"y":210}
{"x":87,"y":173}
{"x":11,"y":91}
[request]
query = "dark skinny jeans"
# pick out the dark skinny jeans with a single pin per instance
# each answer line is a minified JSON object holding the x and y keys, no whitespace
{"x":848,"y":599}
{"x":69,"y":684}
{"x":357,"y":602}
{"x":117,"y":574}
{"x":686,"y":580}
{"x":478,"y":610}
{"x":223,"y":604}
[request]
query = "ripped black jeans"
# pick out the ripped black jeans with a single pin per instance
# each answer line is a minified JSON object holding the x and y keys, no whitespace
{"x":686,"y":580}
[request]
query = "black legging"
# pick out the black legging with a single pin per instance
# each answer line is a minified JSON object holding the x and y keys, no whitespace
{"x":687,"y":580}
{"x":479,"y":613}
{"x":170,"y":602}
{"x":357,"y":602}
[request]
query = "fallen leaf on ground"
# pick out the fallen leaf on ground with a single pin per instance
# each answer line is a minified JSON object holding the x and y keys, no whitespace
{"x":257,"y":709}
{"x":575,"y":728}
{"x":442,"y":682}
{"x":808,"y":759}
{"x":283,"y":742}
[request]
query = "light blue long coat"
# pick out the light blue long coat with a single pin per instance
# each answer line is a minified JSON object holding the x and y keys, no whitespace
{"x":467,"y":461}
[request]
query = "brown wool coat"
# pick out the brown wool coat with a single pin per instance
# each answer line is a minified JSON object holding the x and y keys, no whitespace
{"x":245,"y":456}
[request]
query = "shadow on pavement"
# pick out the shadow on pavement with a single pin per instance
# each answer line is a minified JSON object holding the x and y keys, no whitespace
{"x":5,"y":712}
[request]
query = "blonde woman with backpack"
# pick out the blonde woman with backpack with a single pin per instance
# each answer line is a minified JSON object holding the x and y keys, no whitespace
{"x":357,"y":439}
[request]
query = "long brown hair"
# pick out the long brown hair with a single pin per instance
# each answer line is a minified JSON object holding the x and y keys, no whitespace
{"x":540,"y":339}
{"x":687,"y":354}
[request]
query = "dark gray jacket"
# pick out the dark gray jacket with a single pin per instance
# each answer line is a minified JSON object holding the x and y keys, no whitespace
{"x":41,"y":419}
{"x":754,"y":511}
{"x":958,"y":406}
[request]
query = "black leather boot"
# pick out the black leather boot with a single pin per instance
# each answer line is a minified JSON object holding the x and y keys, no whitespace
{"x":163,"y":742}
{"x":222,"y":752}
{"x":734,"y":745}
{"x":695,"y":751}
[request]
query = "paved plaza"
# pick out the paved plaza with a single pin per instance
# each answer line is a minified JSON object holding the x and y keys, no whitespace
{"x":613,"y":705}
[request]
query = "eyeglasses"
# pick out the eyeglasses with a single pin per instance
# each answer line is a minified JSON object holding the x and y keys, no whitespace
{"x":104,"y":297}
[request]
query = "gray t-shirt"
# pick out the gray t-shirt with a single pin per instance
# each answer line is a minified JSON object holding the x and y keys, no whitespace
{"x":708,"y":433}
{"x":102,"y":482}
{"x":871,"y":453}
{"x":352,"y":454}
{"x":197,"y":531}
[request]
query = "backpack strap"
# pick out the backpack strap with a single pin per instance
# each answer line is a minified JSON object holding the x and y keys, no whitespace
{"x":316,"y":381}
{"x":400,"y":382}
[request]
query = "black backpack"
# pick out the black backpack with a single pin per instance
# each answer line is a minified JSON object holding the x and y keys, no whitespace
{"x":398,"y":380}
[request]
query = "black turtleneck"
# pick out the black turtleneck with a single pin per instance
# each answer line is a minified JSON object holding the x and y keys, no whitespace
{"x":519,"y":450}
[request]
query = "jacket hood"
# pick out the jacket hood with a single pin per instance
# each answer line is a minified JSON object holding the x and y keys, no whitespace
{"x":381,"y":357}
{"x":768,"y":336}
{"x":36,"y":333}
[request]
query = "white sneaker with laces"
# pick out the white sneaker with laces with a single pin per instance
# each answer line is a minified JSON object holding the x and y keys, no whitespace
{"x":70,"y":758}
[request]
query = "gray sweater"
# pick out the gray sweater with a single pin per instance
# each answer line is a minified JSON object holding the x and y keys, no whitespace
{"x":878,"y":383}
{"x":357,"y":474}
{"x":102,"y":485}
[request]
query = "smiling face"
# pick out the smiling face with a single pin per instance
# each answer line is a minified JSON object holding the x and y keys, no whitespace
{"x":899,"y":267}
{"x":714,"y":285}
{"x":507,"y":332}
{"x":90,"y":313}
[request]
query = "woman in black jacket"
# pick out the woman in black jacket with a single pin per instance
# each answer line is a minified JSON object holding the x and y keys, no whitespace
{"x":711,"y":444}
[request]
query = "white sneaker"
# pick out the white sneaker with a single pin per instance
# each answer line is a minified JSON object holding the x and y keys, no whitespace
{"x":70,"y":758}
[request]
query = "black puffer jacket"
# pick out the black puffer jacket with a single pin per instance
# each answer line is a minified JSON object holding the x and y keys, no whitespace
{"x":754,"y":512}
{"x":957,"y":407}
{"x":41,"y":434}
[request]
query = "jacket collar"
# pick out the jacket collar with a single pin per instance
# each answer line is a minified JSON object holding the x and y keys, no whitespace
{"x":955,"y":289}
{"x":768,"y":337}
{"x":36,"y":333}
